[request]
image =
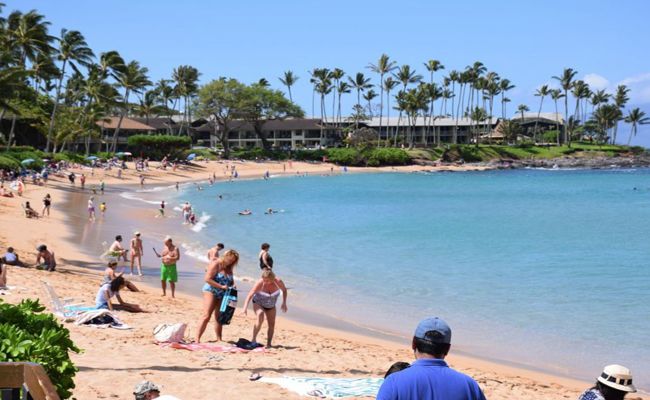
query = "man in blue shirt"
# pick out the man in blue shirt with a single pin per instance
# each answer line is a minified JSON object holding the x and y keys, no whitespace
{"x":429,"y":377}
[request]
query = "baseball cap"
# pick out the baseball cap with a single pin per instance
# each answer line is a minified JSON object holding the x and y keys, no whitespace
{"x":441,"y":331}
{"x":144,"y":387}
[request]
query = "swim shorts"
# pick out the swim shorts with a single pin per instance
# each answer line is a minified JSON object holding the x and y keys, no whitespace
{"x":168,"y":273}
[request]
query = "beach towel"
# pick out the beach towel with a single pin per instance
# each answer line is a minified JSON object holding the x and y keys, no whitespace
{"x":333,"y":388}
{"x":100,"y":318}
{"x":218,"y":348}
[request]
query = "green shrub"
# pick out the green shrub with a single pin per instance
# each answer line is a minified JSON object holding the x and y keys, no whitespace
{"x":69,"y":156}
{"x":206,"y":154}
{"x":158,"y":146}
{"x":9,"y":163}
{"x":309,"y":155}
{"x":346,"y":156}
{"x":29,"y":335}
{"x":388,"y":156}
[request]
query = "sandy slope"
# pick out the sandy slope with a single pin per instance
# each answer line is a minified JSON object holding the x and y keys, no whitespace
{"x":114,"y":361}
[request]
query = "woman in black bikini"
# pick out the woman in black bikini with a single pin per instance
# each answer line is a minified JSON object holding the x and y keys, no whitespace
{"x":266,"y":261}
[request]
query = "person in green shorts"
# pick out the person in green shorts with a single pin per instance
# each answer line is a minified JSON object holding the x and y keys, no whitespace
{"x":170,"y":255}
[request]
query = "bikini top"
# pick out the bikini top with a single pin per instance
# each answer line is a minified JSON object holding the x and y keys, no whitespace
{"x":267,"y":300}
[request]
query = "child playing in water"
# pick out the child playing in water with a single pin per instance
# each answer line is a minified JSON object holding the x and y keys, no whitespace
{"x":102,"y":208}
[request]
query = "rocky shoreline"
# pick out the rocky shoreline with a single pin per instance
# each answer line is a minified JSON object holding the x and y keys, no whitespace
{"x":632,"y":161}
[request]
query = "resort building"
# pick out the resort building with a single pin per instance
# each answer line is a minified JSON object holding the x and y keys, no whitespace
{"x":545,"y":122}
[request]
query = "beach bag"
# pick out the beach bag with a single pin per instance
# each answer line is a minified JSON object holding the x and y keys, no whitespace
{"x":170,"y":333}
{"x":228,"y":306}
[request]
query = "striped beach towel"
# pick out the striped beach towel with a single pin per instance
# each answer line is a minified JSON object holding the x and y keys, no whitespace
{"x":333,"y":388}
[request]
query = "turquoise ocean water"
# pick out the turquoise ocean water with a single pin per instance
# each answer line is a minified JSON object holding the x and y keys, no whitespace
{"x":550,"y":269}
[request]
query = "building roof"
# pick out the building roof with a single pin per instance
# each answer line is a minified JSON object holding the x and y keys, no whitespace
{"x":549,"y":117}
{"x":157,"y":123}
{"x":289,"y":124}
{"x":420,"y":121}
{"x":128,"y":124}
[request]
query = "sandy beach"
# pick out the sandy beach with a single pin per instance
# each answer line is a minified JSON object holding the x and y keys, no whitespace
{"x":113,"y":361}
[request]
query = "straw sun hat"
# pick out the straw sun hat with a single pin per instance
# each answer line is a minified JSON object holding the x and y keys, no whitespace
{"x":617,"y":377}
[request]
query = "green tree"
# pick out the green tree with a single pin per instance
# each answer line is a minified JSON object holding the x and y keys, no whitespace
{"x":432,"y":66}
{"x":505,"y":85}
{"x":220,"y":100}
{"x":635,"y":117}
{"x":289,"y":80}
{"x":383,"y":66}
{"x":566,"y":82}
{"x":165,"y":94}
{"x":405,"y":75}
{"x":389,"y":84}
{"x":522,"y":108}
{"x":360,"y":83}
{"x":556,"y":94}
{"x":73,"y":50}
{"x":186,"y":78}
{"x":258,"y":104}
{"x":133,"y":79}
{"x":542,"y":92}
{"x":620,"y":100}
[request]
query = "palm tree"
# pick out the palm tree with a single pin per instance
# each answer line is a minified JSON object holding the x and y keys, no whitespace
{"x":598,"y":98}
{"x":542,"y":92}
{"x":606,"y":116}
{"x":566,"y":82}
{"x":556,"y":94}
{"x":360,"y":83}
{"x":110,"y":64}
{"x":432,"y":66}
{"x":620,"y":100}
{"x":384,"y":66}
{"x":289,"y":80}
{"x":635,"y":117}
{"x":25,"y":38}
{"x":74,"y":50}
{"x":369,"y":96}
{"x":165,"y":94}
{"x":147,"y":105}
{"x":388,"y":85}
{"x":323,"y":87}
{"x":522,"y":108}
{"x":337,"y":74}
{"x":405,"y":75}
{"x":505,"y":85}
{"x":186,"y":79}
{"x":133,"y":78}
{"x":341,"y":88}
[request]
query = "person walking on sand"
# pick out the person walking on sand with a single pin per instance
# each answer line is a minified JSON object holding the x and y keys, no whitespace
{"x":168,"y":272}
{"x":265,"y":295}
{"x":136,"y":252}
{"x":266,"y":261}
{"x":91,"y":209}
{"x":47,"y":202}
{"x":614,"y":383}
{"x":429,"y":377}
{"x":219,"y":277}
{"x":82,"y":179}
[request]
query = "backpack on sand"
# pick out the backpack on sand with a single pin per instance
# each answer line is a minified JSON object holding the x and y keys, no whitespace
{"x":171,"y":333}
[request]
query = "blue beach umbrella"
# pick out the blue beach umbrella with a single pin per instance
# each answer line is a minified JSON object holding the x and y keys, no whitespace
{"x":191,"y":157}
{"x":123,"y":153}
{"x":27,"y":161}
{"x":90,"y":158}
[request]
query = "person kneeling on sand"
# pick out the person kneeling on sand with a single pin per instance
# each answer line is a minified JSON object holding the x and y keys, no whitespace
{"x":30,"y":212}
{"x":109,"y":275}
{"x":47,"y":256}
{"x":116,"y":249}
{"x":429,"y":376}
{"x":265,"y":295}
{"x":147,"y":390}
{"x":110,"y":290}
{"x":613,"y":384}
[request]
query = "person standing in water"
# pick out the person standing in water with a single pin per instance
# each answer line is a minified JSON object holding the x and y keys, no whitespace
{"x":162,"y":208}
{"x":91,"y":209}
{"x":168,"y":273}
{"x":266,"y":261}
{"x":136,"y":252}
{"x":213,"y":253}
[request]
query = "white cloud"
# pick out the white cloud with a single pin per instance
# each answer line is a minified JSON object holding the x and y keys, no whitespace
{"x":596,"y":81}
{"x":639,"y":88}
{"x":641,"y":78}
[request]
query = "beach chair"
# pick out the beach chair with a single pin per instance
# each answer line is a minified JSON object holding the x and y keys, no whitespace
{"x":65,"y":310}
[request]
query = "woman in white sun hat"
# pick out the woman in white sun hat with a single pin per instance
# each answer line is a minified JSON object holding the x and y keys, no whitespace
{"x":613,"y":384}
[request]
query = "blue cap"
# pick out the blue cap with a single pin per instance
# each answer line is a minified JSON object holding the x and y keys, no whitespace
{"x":434,"y":324}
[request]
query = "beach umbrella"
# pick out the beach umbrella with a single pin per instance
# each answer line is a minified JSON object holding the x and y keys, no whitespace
{"x":91,"y":158}
{"x":27,"y":161}
{"x":191,"y":157}
{"x":123,"y":153}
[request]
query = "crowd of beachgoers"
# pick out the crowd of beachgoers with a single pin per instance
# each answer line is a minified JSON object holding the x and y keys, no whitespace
{"x":429,"y":376}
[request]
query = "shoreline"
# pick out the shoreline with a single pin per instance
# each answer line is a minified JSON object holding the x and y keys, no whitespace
{"x":474,"y":365}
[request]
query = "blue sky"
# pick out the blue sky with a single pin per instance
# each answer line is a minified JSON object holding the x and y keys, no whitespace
{"x":524,"y":41}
